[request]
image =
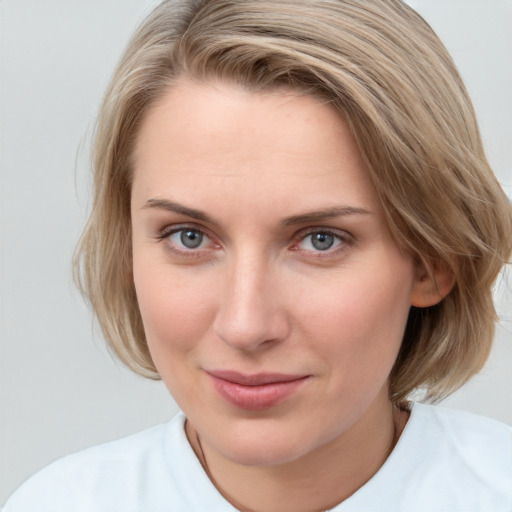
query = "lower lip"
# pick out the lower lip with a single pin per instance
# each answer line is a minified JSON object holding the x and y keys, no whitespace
{"x":256,"y":398}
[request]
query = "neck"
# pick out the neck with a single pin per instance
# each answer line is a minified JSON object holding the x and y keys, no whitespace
{"x":317,"y":481}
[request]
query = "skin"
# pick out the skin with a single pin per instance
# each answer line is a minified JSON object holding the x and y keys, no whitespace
{"x":258,"y":296}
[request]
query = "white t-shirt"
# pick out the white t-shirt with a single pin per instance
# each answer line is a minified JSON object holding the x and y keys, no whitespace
{"x":445,"y":461}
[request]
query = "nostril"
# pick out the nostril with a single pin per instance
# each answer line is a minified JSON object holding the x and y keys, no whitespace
{"x":250,"y":312}
{"x":252,"y":332}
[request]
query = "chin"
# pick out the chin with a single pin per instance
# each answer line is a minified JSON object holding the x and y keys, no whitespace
{"x":262,"y":455}
{"x":263,"y":444}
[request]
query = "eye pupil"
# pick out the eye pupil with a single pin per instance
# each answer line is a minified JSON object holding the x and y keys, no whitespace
{"x":191,"y":239}
{"x":322,"y":241}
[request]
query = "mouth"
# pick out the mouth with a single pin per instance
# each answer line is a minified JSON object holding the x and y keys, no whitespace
{"x":255,"y":392}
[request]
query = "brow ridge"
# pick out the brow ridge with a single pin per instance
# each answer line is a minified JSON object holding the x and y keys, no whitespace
{"x":304,"y":218}
{"x":327,"y":213}
{"x":165,"y":204}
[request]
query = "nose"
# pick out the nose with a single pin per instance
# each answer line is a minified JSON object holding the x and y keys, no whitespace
{"x":251,"y":314}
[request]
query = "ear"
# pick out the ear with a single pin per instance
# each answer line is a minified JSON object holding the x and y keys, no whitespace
{"x":431,"y":285}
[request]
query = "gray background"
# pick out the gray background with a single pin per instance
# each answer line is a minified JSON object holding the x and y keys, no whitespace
{"x":60,"y":390}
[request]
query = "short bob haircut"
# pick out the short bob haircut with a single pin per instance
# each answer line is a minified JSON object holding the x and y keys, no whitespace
{"x":386,"y":72}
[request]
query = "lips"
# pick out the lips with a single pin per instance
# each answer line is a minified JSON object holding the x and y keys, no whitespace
{"x":255,"y":392}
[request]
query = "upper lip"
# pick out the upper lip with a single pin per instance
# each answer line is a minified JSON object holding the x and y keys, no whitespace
{"x":257,"y":379}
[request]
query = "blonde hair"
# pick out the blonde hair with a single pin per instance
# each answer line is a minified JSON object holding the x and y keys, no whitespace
{"x":388,"y":74}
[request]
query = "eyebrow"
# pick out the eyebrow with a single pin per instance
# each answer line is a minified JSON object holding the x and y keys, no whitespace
{"x":327,"y":213}
{"x":164,"y":204}
{"x":304,"y":218}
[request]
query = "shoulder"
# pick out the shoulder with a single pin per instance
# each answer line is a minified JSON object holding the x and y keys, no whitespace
{"x":463,"y":457}
{"x":445,"y":461}
{"x":471,"y":436}
{"x":91,"y":479}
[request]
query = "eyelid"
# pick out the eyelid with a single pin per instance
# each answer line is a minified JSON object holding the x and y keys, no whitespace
{"x":165,"y":233}
{"x":344,"y":237}
{"x":175,"y":228}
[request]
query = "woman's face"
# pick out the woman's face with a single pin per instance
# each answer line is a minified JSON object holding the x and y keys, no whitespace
{"x":273,"y":297}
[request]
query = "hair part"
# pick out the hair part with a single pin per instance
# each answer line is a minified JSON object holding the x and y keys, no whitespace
{"x":390,"y":77}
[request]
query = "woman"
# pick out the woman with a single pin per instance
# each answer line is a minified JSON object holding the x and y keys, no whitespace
{"x":295,"y":227}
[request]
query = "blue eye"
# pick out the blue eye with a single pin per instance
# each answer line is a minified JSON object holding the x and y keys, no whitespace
{"x":320,"y":241}
{"x":188,"y":238}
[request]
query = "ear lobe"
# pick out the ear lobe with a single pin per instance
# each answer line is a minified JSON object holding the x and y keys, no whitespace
{"x":431,"y":286}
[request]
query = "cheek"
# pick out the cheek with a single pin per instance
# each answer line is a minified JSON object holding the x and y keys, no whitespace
{"x":359,"y":326}
{"x":175,"y":313}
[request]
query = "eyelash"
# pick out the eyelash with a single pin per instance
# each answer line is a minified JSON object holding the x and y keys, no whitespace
{"x":344,"y":240}
{"x":167,"y":232}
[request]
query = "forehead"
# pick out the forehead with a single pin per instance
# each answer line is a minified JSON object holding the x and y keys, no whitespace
{"x":211,"y":139}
